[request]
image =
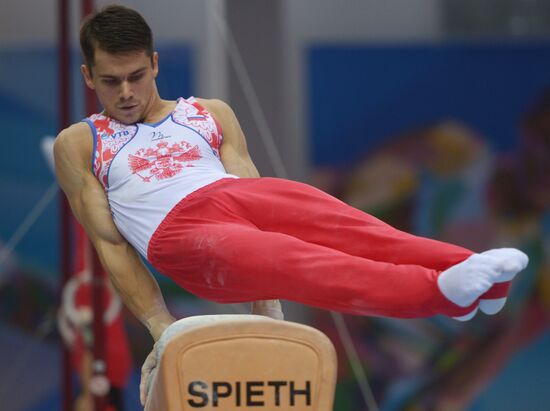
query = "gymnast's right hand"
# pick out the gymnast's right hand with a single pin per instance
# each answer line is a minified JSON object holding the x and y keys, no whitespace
{"x":148,"y":366}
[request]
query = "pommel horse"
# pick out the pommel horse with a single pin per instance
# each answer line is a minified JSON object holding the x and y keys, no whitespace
{"x":242,"y":362}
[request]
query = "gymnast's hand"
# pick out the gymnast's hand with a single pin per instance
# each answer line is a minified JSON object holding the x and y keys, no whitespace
{"x":148,"y":366}
{"x":268,"y":308}
{"x":156,"y":324}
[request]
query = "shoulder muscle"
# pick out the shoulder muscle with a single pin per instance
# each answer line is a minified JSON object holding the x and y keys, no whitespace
{"x":72,"y":156}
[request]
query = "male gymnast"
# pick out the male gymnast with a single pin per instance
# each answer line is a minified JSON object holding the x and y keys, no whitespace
{"x":174,"y":182}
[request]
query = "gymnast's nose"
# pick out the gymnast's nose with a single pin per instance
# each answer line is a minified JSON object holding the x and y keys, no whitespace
{"x":126,"y":92}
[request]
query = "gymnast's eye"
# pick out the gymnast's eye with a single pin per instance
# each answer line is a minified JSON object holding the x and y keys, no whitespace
{"x":110,"y":81}
{"x":135,"y":78}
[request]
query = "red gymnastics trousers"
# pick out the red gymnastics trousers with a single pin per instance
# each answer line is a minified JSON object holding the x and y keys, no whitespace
{"x":239,"y":240}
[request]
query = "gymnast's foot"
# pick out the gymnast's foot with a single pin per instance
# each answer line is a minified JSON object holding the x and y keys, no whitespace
{"x":471,"y":279}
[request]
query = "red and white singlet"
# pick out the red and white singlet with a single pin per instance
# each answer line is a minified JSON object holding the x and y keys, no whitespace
{"x":146,"y":169}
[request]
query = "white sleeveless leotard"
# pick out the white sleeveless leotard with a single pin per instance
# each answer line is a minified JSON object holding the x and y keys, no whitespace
{"x":146,"y":169}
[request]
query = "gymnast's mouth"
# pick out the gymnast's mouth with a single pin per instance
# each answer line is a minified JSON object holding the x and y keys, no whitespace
{"x":128,"y":108}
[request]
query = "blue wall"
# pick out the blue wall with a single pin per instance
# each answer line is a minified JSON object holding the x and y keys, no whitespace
{"x":360,"y":94}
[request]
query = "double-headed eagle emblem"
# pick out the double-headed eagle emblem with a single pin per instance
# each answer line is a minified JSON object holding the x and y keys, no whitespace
{"x":163,"y":161}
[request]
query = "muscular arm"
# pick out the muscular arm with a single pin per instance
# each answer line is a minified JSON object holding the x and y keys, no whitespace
{"x":233,"y":152}
{"x":135,"y":284}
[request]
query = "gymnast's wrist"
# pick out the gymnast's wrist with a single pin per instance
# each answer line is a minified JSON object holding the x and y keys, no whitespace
{"x":268,"y":308}
{"x":156,"y":324}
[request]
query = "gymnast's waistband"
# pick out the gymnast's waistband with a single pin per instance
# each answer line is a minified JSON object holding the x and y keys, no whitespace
{"x":185,"y":202}
{"x":203,"y":190}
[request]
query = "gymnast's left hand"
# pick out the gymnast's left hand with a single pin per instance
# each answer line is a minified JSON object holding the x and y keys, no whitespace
{"x":148,"y":366}
{"x":268,"y":308}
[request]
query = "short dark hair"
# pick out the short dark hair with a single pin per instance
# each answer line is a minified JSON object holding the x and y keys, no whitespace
{"x":114,"y":29}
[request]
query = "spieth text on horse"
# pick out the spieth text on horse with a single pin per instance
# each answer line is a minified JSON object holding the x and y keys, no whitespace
{"x":248,"y":393}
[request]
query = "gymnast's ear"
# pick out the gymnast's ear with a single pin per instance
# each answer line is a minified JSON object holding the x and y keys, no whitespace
{"x":155,"y":64}
{"x":87,"y":74}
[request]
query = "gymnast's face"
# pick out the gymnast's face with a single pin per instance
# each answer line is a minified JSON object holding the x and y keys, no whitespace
{"x":124,"y":83}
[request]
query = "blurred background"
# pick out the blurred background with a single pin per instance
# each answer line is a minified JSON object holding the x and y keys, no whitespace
{"x":432,"y":114}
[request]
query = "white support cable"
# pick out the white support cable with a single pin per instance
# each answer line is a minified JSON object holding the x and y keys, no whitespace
{"x":354,"y":361}
{"x":280,"y":171}
{"x":250,"y":94}
{"x":28,"y":222}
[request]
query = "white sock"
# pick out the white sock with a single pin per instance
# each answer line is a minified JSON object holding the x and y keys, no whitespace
{"x":468,"y":316}
{"x":510,"y":261}
{"x":465,"y":282}
{"x":513,"y":261}
{"x":493,"y":306}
